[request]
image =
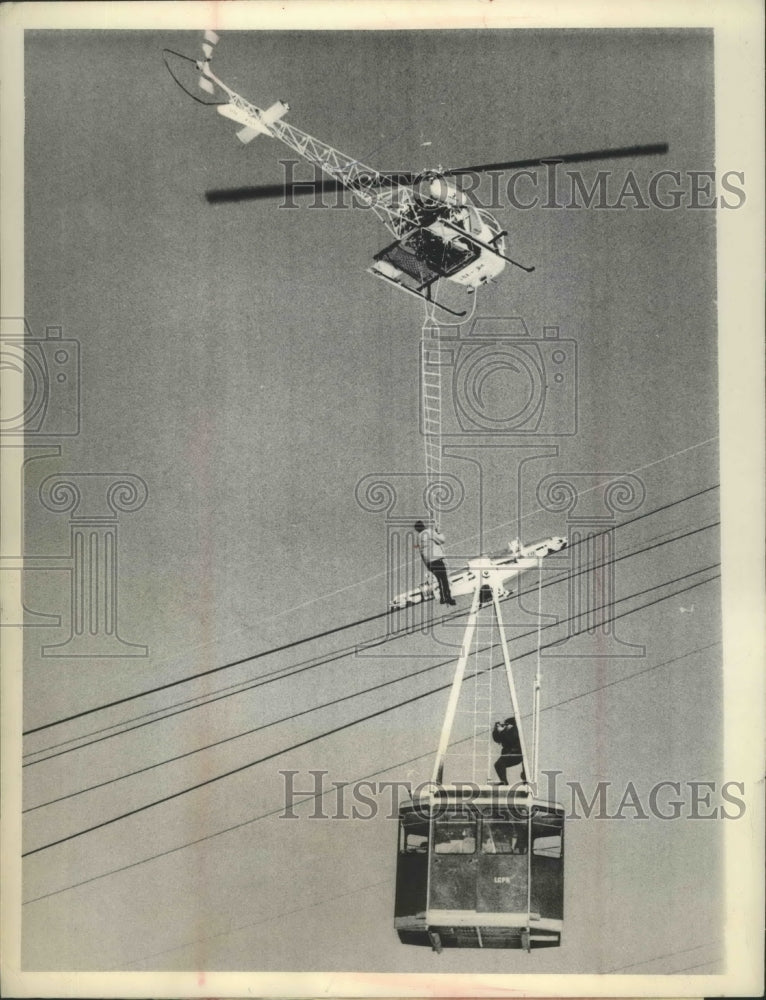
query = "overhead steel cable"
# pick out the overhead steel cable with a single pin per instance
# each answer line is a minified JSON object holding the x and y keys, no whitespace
{"x":291,"y":671}
{"x":206,"y":673}
{"x":302,"y":667}
{"x":699,"y":965}
{"x":373,"y":774}
{"x":275,"y":722}
{"x":310,"y":638}
{"x":256,"y":729}
{"x":667,"y":954}
{"x":354,"y":722}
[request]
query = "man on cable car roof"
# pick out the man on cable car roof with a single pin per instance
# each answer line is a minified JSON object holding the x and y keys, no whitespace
{"x":430,"y":542}
{"x":507,"y":735}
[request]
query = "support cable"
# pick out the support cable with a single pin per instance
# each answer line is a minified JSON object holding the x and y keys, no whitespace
{"x":289,"y":672}
{"x":318,"y":795}
{"x":538,"y":677}
{"x":439,"y":765}
{"x":311,"y":638}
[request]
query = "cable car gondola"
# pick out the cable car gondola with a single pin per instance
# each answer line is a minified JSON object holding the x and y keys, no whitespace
{"x":480,"y":870}
{"x":481,"y":866}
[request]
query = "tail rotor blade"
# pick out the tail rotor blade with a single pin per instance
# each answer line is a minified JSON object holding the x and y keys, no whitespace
{"x":211,"y":39}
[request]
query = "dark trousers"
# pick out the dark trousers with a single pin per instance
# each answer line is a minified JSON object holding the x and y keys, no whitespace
{"x":439,"y":570}
{"x":506,"y":760}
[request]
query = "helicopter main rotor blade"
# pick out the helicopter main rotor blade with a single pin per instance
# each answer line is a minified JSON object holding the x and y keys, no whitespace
{"x":303,"y":188}
{"x":654,"y":149}
{"x":259,"y":192}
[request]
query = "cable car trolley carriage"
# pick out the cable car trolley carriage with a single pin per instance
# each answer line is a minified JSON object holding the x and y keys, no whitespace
{"x":500,"y":569}
{"x":481,"y":865}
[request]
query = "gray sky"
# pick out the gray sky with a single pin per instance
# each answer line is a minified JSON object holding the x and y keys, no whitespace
{"x":243,"y":363}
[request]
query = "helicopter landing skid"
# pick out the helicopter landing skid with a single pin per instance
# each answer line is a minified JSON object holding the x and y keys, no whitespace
{"x":416,"y":292}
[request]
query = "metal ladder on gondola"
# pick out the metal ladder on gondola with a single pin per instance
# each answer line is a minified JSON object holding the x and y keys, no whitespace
{"x":530,"y":764}
{"x":478,"y":712}
{"x":481,"y":710}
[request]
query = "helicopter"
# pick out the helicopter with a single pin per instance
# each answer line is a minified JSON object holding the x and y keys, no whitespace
{"x":439,"y":232}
